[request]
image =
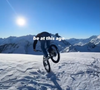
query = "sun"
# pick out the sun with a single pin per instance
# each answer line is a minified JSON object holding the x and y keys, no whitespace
{"x":21,"y":21}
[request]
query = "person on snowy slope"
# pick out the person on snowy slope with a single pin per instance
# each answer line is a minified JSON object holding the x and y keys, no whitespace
{"x":43,"y":42}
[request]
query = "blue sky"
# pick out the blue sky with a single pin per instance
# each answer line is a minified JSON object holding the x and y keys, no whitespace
{"x":69,"y":18}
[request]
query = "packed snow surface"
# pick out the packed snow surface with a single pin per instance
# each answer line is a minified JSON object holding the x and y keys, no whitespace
{"x":75,"y":71}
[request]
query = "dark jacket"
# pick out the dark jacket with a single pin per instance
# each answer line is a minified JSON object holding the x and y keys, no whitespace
{"x":42,"y":34}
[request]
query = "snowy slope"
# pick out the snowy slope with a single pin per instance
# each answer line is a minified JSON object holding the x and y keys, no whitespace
{"x":75,"y":71}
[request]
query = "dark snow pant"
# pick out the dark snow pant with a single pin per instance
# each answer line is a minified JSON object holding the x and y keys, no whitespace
{"x":45,"y":44}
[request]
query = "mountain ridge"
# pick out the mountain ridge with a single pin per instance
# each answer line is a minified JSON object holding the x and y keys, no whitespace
{"x":24,"y":44}
{"x":91,"y":44}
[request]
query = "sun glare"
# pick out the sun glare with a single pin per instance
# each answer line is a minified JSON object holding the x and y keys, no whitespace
{"x":21,"y":21}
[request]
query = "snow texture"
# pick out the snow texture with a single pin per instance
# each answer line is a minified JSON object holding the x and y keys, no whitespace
{"x":75,"y":71}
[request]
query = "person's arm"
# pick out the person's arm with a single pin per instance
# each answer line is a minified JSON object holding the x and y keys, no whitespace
{"x":34,"y":45}
{"x":35,"y":41}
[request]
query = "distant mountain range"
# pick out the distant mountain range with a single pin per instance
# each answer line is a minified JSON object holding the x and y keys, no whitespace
{"x":91,"y":44}
{"x":24,"y":44}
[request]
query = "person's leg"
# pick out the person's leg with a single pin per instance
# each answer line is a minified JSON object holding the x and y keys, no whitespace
{"x":48,"y":44}
{"x":43,"y":42}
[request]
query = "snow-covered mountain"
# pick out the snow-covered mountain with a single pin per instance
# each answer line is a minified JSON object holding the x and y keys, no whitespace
{"x":75,"y":71}
{"x":24,"y":44}
{"x":91,"y":44}
{"x":81,"y":42}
